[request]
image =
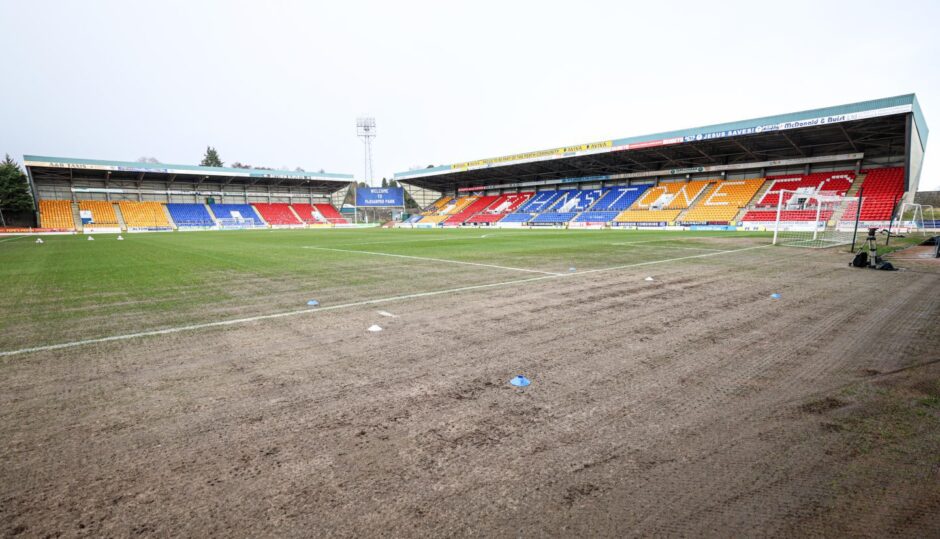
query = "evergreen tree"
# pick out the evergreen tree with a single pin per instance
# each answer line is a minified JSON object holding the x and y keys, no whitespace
{"x":384,"y":182}
{"x":211,"y":159}
{"x":14,"y":187}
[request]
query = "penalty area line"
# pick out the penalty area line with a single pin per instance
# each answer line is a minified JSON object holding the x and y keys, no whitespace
{"x":378,"y":301}
{"x":427,"y":259}
{"x":670,"y":247}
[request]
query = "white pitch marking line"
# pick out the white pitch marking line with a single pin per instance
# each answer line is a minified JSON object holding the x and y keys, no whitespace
{"x":378,"y":301}
{"x":426,"y":259}
{"x":455,"y":237}
{"x":673,"y":247}
{"x":638,"y":264}
{"x":13,"y":238}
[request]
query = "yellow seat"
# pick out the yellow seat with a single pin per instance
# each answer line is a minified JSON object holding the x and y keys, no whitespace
{"x":723,"y":200}
{"x":143,"y":214}
{"x":647,"y":216}
{"x":437,"y":205}
{"x":56,"y":214}
{"x":687,"y":194}
{"x":102,"y":211}
{"x":433,"y":219}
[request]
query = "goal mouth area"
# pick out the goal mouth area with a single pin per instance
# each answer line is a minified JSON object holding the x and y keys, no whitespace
{"x":817,"y":243}
{"x":806,"y":218}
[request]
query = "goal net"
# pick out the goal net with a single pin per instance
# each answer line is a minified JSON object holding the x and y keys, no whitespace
{"x":806,"y":218}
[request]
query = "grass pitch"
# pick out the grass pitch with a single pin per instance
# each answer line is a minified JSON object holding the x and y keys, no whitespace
{"x":70,"y":289}
{"x":689,"y":405}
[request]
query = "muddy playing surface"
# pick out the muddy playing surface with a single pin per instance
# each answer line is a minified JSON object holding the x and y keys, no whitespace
{"x":693,"y":404}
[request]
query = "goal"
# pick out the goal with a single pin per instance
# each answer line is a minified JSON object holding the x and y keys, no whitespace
{"x":806,"y":218}
{"x":910,"y":218}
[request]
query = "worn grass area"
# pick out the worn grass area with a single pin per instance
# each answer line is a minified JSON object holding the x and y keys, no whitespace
{"x":70,"y":288}
{"x":885,"y":437}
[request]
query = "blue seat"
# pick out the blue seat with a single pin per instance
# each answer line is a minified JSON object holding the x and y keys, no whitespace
{"x":190,"y":215}
{"x":554,"y":217}
{"x":596,"y":217}
{"x":517,"y":217}
{"x":577,"y":200}
{"x":224,"y":211}
{"x":620,"y":198}
{"x":542,"y":201}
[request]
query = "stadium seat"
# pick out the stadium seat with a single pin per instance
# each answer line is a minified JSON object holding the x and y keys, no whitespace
{"x":235,"y":211}
{"x":837,"y":182}
{"x":307,"y":213}
{"x":517,"y":217}
{"x":190,"y":215}
{"x":436,"y":206}
{"x":576,"y":201}
{"x":102,"y":211}
{"x":56,"y":214}
{"x":432,"y":219}
{"x":657,"y":196}
{"x":619,"y":198}
{"x":143,"y":214}
{"x":647,"y":216}
{"x":277,"y":213}
{"x":596,"y":217}
{"x":445,"y":208}
{"x":503,"y":205}
{"x":552,"y":217}
{"x":331,"y":214}
{"x":687,"y":194}
{"x":770,"y":216}
{"x":469,"y":211}
{"x":881,"y":190}
{"x":723,"y":200}
{"x":457,"y":205}
{"x":541,"y":201}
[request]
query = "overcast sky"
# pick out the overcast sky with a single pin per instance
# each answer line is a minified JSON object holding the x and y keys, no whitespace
{"x":280,"y":84}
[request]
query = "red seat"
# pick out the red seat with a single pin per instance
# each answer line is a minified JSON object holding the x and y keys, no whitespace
{"x":331,"y":214}
{"x":499,"y":208}
{"x":881,"y":190}
{"x":834,"y":182}
{"x":277,"y":214}
{"x":475,"y":207}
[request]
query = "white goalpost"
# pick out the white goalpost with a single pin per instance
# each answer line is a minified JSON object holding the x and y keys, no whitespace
{"x":911,"y":219}
{"x":806,"y":218}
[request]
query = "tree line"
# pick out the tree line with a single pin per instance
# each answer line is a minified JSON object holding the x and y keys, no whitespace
{"x":14,"y":187}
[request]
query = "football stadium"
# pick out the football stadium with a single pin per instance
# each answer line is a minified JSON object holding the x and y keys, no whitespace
{"x":653,"y":335}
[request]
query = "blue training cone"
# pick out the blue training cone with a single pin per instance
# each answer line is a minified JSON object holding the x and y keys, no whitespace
{"x":313,"y":303}
{"x":775,"y":296}
{"x":520,"y":381}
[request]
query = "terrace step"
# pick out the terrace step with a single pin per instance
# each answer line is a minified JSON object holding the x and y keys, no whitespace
{"x":120,"y":216}
{"x":297,"y":215}
{"x":211,"y":214}
{"x":856,"y":185}
{"x":757,"y":196}
{"x":698,"y":197}
{"x":169,"y":217}
{"x":76,"y":217}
